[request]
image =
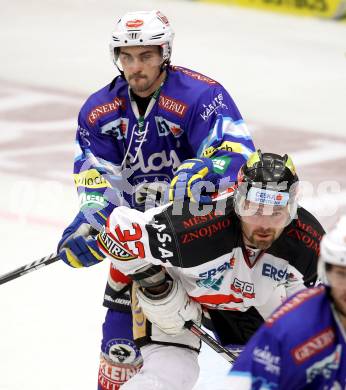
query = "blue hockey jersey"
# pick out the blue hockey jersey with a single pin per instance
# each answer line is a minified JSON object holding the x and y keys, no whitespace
{"x":122,"y":156}
{"x":301,"y":346}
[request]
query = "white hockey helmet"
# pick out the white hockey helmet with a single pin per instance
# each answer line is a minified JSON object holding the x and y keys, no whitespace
{"x":333,"y":249}
{"x":142,"y":28}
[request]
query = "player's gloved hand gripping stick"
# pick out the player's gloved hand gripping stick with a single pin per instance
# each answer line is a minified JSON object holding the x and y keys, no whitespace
{"x":52,"y":258}
{"x":77,"y":250}
{"x":85,"y":246}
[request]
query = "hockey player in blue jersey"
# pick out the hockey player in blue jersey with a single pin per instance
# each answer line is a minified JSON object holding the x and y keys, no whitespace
{"x":132,"y":136}
{"x":303,"y":344}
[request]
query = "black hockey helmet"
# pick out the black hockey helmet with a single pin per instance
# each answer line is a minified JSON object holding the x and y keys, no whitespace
{"x":268,"y":179}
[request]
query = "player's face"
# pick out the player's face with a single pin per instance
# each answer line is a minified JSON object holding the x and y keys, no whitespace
{"x":262,"y":224}
{"x":141,"y":66}
{"x":337,"y":280}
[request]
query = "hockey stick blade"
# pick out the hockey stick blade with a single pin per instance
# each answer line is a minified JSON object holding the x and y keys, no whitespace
{"x":204,"y":336}
{"x":52,"y":258}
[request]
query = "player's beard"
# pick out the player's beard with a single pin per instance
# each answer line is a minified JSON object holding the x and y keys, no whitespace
{"x":140,"y":83}
{"x":262,"y":243}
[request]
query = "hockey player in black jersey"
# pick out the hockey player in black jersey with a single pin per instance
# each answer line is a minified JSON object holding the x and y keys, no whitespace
{"x":228,"y":266}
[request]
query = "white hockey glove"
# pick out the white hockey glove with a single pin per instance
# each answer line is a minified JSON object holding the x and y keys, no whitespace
{"x":171,"y":310}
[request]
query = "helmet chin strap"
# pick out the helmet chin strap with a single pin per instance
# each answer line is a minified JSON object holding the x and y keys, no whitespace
{"x":164,"y":66}
{"x":120,"y":71}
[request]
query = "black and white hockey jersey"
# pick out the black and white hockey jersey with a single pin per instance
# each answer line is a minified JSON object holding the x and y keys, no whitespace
{"x":207,"y":253}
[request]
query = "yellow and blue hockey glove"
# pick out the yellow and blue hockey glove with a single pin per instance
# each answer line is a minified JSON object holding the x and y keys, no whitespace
{"x":194,"y":179}
{"x":78,"y":246}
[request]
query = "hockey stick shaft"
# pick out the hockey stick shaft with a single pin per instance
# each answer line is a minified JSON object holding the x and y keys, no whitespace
{"x":52,"y":258}
{"x":204,"y":336}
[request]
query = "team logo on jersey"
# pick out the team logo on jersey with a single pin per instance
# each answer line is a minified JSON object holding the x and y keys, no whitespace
{"x":113,"y":247}
{"x":214,"y":284}
{"x":160,"y":240}
{"x":213,"y":271}
{"x":265,"y":357}
{"x":92,"y":199}
{"x":120,"y":361}
{"x":247,"y":290}
{"x":90,"y":179}
{"x":117,"y":128}
{"x":198,"y":219}
{"x":221,"y":164}
{"x":206,"y":231}
{"x":104,"y":109}
{"x":228,"y":146}
{"x":274,"y":273}
{"x":122,"y":351}
{"x":325,"y":366}
{"x":313,"y":346}
{"x":173,"y":105}
{"x":155,"y":161}
{"x":165,"y":127}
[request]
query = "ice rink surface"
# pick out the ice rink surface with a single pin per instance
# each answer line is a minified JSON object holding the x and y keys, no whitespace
{"x":287,"y":76}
